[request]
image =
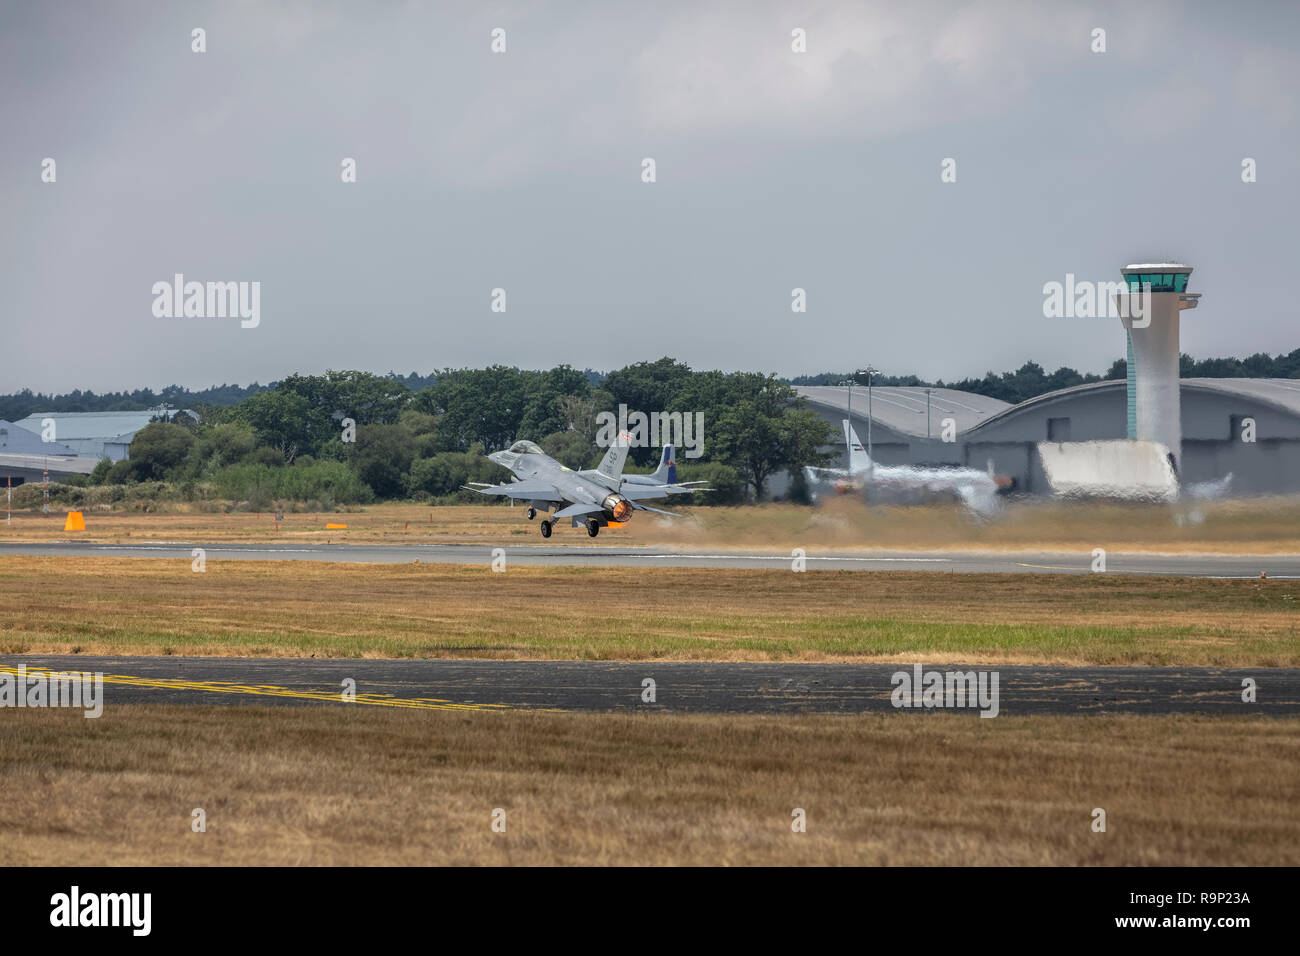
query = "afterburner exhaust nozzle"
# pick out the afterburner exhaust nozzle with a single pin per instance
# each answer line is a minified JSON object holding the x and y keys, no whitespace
{"x":618,"y":506}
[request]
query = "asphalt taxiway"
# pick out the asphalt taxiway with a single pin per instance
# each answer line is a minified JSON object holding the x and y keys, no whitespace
{"x":428,"y":684}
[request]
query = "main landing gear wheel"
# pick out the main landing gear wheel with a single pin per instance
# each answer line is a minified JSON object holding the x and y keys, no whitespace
{"x":546,"y":529}
{"x":593,"y":528}
{"x":530,"y":514}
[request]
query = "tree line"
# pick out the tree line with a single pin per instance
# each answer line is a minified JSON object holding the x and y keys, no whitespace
{"x":1028,"y":381}
{"x":351,"y":436}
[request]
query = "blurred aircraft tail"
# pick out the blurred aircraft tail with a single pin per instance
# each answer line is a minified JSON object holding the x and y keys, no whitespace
{"x":858,"y":458}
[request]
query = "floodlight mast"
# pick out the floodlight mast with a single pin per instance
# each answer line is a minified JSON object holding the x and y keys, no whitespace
{"x":868,"y":372}
{"x":849,"y":383}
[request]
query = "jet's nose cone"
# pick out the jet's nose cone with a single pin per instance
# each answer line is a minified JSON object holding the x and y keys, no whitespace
{"x":503,"y":458}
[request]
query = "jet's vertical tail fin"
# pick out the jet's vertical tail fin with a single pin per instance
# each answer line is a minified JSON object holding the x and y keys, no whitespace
{"x":611,"y":466}
{"x":666,"y":473}
{"x":858,"y":458}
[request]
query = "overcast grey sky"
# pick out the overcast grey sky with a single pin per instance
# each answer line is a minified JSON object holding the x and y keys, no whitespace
{"x":522,"y":170}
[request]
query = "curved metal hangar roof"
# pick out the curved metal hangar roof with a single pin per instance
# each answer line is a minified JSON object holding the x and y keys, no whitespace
{"x":902,"y":408}
{"x":1281,"y":393}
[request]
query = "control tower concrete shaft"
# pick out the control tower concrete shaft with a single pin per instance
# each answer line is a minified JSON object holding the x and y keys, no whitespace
{"x":1158,"y":291}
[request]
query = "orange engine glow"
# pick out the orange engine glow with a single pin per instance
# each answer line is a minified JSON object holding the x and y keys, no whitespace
{"x":618,"y":507}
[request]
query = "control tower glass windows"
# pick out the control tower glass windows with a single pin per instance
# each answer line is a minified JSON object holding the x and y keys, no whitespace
{"x":1159,"y":281}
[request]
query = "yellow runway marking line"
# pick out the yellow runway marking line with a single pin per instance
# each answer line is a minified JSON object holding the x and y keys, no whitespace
{"x":272,"y":690}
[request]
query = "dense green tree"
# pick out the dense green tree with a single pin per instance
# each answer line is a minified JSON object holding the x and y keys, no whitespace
{"x":571,"y":449}
{"x":648,"y":386}
{"x":545,"y":394}
{"x":446,"y":472}
{"x":121,"y":472}
{"x":216,"y":446}
{"x":286,"y":421}
{"x":365,"y":398}
{"x":727,"y":487}
{"x":483,"y":406}
{"x":266,"y":455}
{"x":100,"y":475}
{"x":381,"y":457}
{"x":763,"y":428}
{"x":578,"y":412}
{"x":158,"y":449}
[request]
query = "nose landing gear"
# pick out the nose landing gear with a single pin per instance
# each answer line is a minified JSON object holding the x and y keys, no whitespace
{"x":530,"y":514}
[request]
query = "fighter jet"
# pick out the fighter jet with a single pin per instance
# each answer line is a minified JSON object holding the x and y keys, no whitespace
{"x":597,"y":498}
{"x":905,"y":484}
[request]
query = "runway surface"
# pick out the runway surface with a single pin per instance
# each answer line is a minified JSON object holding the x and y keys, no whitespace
{"x":1021,"y":562}
{"x":679,"y":687}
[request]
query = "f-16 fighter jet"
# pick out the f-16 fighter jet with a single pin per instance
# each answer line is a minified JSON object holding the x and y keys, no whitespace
{"x":598,"y":498}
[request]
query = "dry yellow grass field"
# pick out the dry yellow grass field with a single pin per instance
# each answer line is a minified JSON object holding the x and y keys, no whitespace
{"x":1260,"y":525}
{"x":299,"y":609}
{"x":317,"y":785}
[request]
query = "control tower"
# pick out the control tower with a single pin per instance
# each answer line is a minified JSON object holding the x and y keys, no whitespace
{"x":1154,"y":406}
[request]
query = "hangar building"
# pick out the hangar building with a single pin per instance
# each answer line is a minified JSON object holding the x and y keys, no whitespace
{"x":24,"y":457}
{"x":1214,"y":416}
{"x":97,"y":435}
{"x":1207,"y":428}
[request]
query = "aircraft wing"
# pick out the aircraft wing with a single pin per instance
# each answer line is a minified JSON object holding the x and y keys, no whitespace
{"x":658,"y":511}
{"x":523,"y":490}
